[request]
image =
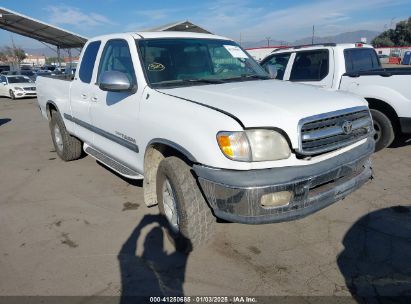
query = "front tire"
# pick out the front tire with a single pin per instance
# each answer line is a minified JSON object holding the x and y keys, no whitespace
{"x":67,"y":147}
{"x":384,"y":130}
{"x":191,"y":222}
{"x":12,"y":96}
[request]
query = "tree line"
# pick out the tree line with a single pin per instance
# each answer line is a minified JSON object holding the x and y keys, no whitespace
{"x":400,"y":36}
{"x":13,"y":54}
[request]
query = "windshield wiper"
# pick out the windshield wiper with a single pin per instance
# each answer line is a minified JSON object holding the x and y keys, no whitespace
{"x":185,"y":81}
{"x":255,"y":76}
{"x":204,"y":80}
{"x":246,"y":77}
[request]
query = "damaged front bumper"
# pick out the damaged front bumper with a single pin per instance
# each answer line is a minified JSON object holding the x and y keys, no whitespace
{"x":236,"y":195}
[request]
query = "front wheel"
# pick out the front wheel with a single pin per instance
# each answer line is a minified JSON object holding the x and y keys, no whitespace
{"x":191,"y":222}
{"x":12,"y":96}
{"x":384,"y":131}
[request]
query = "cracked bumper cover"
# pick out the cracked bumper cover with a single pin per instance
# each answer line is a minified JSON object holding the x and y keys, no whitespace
{"x":235,"y":195}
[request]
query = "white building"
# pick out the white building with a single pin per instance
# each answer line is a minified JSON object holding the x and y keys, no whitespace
{"x":34,"y":60}
{"x":398,"y":51}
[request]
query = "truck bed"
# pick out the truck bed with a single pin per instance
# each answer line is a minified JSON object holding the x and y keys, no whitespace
{"x":387,"y":72}
{"x":53,"y":89}
{"x":60,"y":77}
{"x":383,"y":84}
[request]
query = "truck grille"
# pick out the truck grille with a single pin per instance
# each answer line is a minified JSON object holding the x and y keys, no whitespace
{"x":330,"y":131}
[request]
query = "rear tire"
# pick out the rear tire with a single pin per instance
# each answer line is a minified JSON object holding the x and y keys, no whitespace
{"x":67,"y":147}
{"x":191,"y":223}
{"x":384,"y":130}
{"x":12,"y":96}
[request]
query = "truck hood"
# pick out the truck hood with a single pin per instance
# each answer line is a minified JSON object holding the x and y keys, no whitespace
{"x":269,"y":103}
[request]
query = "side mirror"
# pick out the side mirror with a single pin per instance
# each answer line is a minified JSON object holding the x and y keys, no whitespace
{"x":115,"y":81}
{"x":4,"y":83}
{"x":271,"y":70}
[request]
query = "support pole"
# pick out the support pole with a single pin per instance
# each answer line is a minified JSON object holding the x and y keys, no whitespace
{"x":312,"y":38}
{"x":70,"y":62}
{"x":58,"y":56}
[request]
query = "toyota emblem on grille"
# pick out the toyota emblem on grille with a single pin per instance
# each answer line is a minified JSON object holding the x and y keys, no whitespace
{"x":347,"y":127}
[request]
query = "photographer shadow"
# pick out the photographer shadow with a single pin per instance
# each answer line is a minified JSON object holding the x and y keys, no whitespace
{"x":376,"y":260}
{"x":154,"y":272}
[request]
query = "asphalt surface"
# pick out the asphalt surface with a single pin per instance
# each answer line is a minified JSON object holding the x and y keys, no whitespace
{"x":76,"y":228}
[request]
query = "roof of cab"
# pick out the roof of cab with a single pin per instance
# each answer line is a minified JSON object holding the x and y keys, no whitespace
{"x":160,"y":34}
{"x":324,"y":45}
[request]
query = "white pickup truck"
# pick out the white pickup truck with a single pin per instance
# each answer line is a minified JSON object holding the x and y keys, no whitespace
{"x":353,"y":68}
{"x":208,"y":130}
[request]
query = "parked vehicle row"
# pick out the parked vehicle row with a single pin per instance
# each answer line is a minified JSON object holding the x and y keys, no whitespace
{"x":353,"y":68}
{"x":209,"y":131}
{"x":45,"y":71}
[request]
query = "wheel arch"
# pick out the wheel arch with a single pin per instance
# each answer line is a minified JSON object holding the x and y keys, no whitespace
{"x":385,"y":108}
{"x":50,"y":107}
{"x":157,"y":150}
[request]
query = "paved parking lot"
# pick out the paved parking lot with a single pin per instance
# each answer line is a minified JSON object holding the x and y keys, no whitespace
{"x":78,"y":229}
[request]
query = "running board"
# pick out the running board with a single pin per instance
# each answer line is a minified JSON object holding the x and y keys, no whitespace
{"x":112,"y":164}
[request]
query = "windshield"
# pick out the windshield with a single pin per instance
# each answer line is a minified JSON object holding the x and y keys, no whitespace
{"x":187,"y":61}
{"x":18,"y":79}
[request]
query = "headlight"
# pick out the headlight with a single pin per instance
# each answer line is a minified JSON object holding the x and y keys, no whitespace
{"x":18,"y":89}
{"x":253,"y":145}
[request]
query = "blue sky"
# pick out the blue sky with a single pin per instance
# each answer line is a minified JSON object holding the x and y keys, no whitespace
{"x":254,"y":19}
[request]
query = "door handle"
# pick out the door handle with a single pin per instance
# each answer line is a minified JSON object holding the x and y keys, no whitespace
{"x":95,"y":99}
{"x":84,"y":96}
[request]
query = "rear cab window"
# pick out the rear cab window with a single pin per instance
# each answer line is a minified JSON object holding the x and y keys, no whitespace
{"x":361,"y":59}
{"x":310,"y":65}
{"x":88,"y":61}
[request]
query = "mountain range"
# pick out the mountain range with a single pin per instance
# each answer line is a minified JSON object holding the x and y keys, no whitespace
{"x":347,"y":37}
{"x":340,"y":38}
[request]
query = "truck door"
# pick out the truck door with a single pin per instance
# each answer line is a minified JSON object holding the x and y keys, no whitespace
{"x":80,"y":94}
{"x":313,"y":67}
{"x":116,"y":114}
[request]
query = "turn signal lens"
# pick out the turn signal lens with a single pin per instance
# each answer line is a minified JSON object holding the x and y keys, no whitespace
{"x":234,"y":145}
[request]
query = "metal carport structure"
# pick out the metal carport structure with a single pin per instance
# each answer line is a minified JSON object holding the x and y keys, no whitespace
{"x":180,"y":26}
{"x":41,"y":31}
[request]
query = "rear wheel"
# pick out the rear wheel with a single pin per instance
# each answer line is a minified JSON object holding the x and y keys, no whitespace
{"x":67,"y":147}
{"x":12,"y":96}
{"x":191,"y":222}
{"x":384,"y":131}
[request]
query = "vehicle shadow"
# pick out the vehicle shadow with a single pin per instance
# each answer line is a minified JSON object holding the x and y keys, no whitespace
{"x":376,"y":260}
{"x":401,"y":141}
{"x":154,"y":272}
{"x":3,"y":121}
